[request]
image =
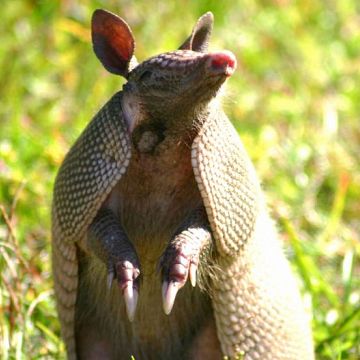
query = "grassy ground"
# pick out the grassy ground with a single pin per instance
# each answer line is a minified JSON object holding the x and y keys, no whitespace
{"x":295,"y":100}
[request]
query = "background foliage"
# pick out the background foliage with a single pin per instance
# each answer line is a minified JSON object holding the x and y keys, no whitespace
{"x":295,"y":100}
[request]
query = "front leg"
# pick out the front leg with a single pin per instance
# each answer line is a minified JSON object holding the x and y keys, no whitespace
{"x":108,"y":241}
{"x":190,"y":246}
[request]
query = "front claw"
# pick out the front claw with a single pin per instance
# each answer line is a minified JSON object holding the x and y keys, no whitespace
{"x":177,"y":264}
{"x":128,"y":280}
{"x":169,"y":291}
{"x":131,"y":295}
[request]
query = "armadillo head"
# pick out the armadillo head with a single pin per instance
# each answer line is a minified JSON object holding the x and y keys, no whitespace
{"x":179,"y":82}
{"x":171,"y":88}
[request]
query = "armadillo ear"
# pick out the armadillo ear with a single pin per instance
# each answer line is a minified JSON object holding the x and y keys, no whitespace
{"x":200,"y":36}
{"x":113,"y":42}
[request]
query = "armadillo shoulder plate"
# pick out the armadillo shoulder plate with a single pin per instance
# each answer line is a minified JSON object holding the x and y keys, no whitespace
{"x":227,"y":183}
{"x":91,"y":169}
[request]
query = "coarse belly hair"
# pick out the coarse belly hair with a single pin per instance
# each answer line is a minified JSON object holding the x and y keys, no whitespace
{"x":151,"y":206}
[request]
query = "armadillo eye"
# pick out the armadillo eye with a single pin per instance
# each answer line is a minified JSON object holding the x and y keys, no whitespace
{"x":145,"y":75}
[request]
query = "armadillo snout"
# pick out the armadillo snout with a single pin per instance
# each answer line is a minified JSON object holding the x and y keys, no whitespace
{"x":221,"y":63}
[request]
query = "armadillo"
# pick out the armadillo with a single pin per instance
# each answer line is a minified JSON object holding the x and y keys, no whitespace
{"x":162,"y":245}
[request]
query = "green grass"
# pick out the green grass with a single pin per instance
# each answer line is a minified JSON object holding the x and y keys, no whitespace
{"x":295,"y":100}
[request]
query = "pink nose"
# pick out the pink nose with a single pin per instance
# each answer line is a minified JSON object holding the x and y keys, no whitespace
{"x":222,"y":62}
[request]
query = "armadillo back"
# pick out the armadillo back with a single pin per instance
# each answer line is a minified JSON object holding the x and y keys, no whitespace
{"x":257,"y":305}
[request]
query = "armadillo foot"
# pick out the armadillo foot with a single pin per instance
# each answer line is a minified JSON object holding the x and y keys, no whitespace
{"x":128,"y":280}
{"x":178,"y":264}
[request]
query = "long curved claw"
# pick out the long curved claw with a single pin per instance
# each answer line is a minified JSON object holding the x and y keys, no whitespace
{"x":110,"y":279}
{"x":175,"y":274}
{"x":127,"y":275}
{"x":181,"y":258}
{"x":192,"y":273}
{"x":131,"y":297}
{"x":169,"y":291}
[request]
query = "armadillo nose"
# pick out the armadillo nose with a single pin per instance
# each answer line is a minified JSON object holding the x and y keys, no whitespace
{"x":223,"y":62}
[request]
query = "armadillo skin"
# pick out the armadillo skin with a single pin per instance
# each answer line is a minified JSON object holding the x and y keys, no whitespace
{"x":256,"y":302}
{"x":91,"y":169}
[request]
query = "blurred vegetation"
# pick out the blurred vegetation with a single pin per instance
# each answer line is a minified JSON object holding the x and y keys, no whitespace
{"x":295,"y":100}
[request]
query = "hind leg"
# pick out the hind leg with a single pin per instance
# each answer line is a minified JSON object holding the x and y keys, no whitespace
{"x":206,"y":345}
{"x":91,"y":345}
